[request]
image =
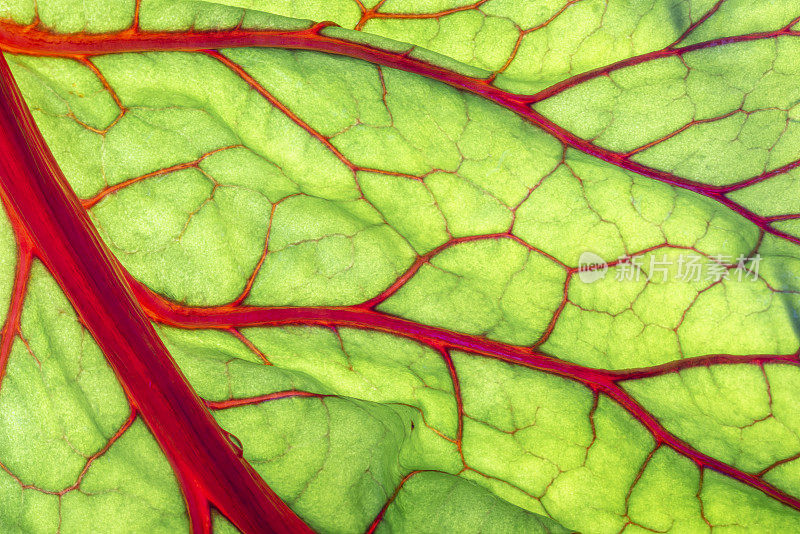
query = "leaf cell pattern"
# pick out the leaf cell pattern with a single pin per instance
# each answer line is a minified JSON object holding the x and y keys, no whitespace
{"x":357,"y":228}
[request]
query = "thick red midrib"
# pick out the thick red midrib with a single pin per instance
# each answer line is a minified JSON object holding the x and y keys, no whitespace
{"x":37,"y":193}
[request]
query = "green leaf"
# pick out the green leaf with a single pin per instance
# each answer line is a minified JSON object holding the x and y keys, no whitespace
{"x":362,"y":244}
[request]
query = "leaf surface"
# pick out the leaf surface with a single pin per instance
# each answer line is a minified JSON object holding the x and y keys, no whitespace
{"x":360,"y":244}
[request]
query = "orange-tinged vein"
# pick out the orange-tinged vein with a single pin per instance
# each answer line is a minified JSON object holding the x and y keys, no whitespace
{"x":91,"y":202}
{"x":11,"y":327}
{"x":256,"y":85}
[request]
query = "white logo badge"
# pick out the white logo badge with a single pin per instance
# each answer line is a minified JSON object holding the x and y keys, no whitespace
{"x":591,"y":267}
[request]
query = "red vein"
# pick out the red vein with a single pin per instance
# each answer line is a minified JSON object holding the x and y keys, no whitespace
{"x":523,"y":33}
{"x":699,"y":21}
{"x":11,"y":326}
{"x":683,"y":128}
{"x":374,"y":13}
{"x":36,"y":42}
{"x":598,"y":380}
{"x":557,"y":314}
{"x":421,"y":260}
{"x":451,"y":369}
{"x":663,"y":436}
{"x":656,"y":54}
{"x":107,"y":87}
{"x":636,"y":480}
{"x":197,"y":505}
{"x":553,"y":17}
{"x":118,"y":434}
{"x":620,"y":160}
{"x":44,"y":206}
{"x":32,"y":41}
{"x":75,"y":485}
{"x":252,"y":82}
{"x":252,"y":278}
{"x":249,"y":401}
{"x":249,"y":344}
{"x":136,"y":10}
{"x":90,"y":202}
{"x":760,"y":178}
{"x":778,"y":464}
{"x":374,"y":525}
{"x":786,"y":217}
{"x":418,"y":263}
{"x":704,"y":361}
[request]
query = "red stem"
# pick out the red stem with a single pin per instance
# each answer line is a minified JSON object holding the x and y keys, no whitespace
{"x":44,"y":207}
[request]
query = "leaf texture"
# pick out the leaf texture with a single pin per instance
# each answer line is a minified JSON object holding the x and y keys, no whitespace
{"x":357,"y":230}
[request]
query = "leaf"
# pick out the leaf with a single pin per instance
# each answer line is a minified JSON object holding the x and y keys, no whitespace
{"x":362,"y":250}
